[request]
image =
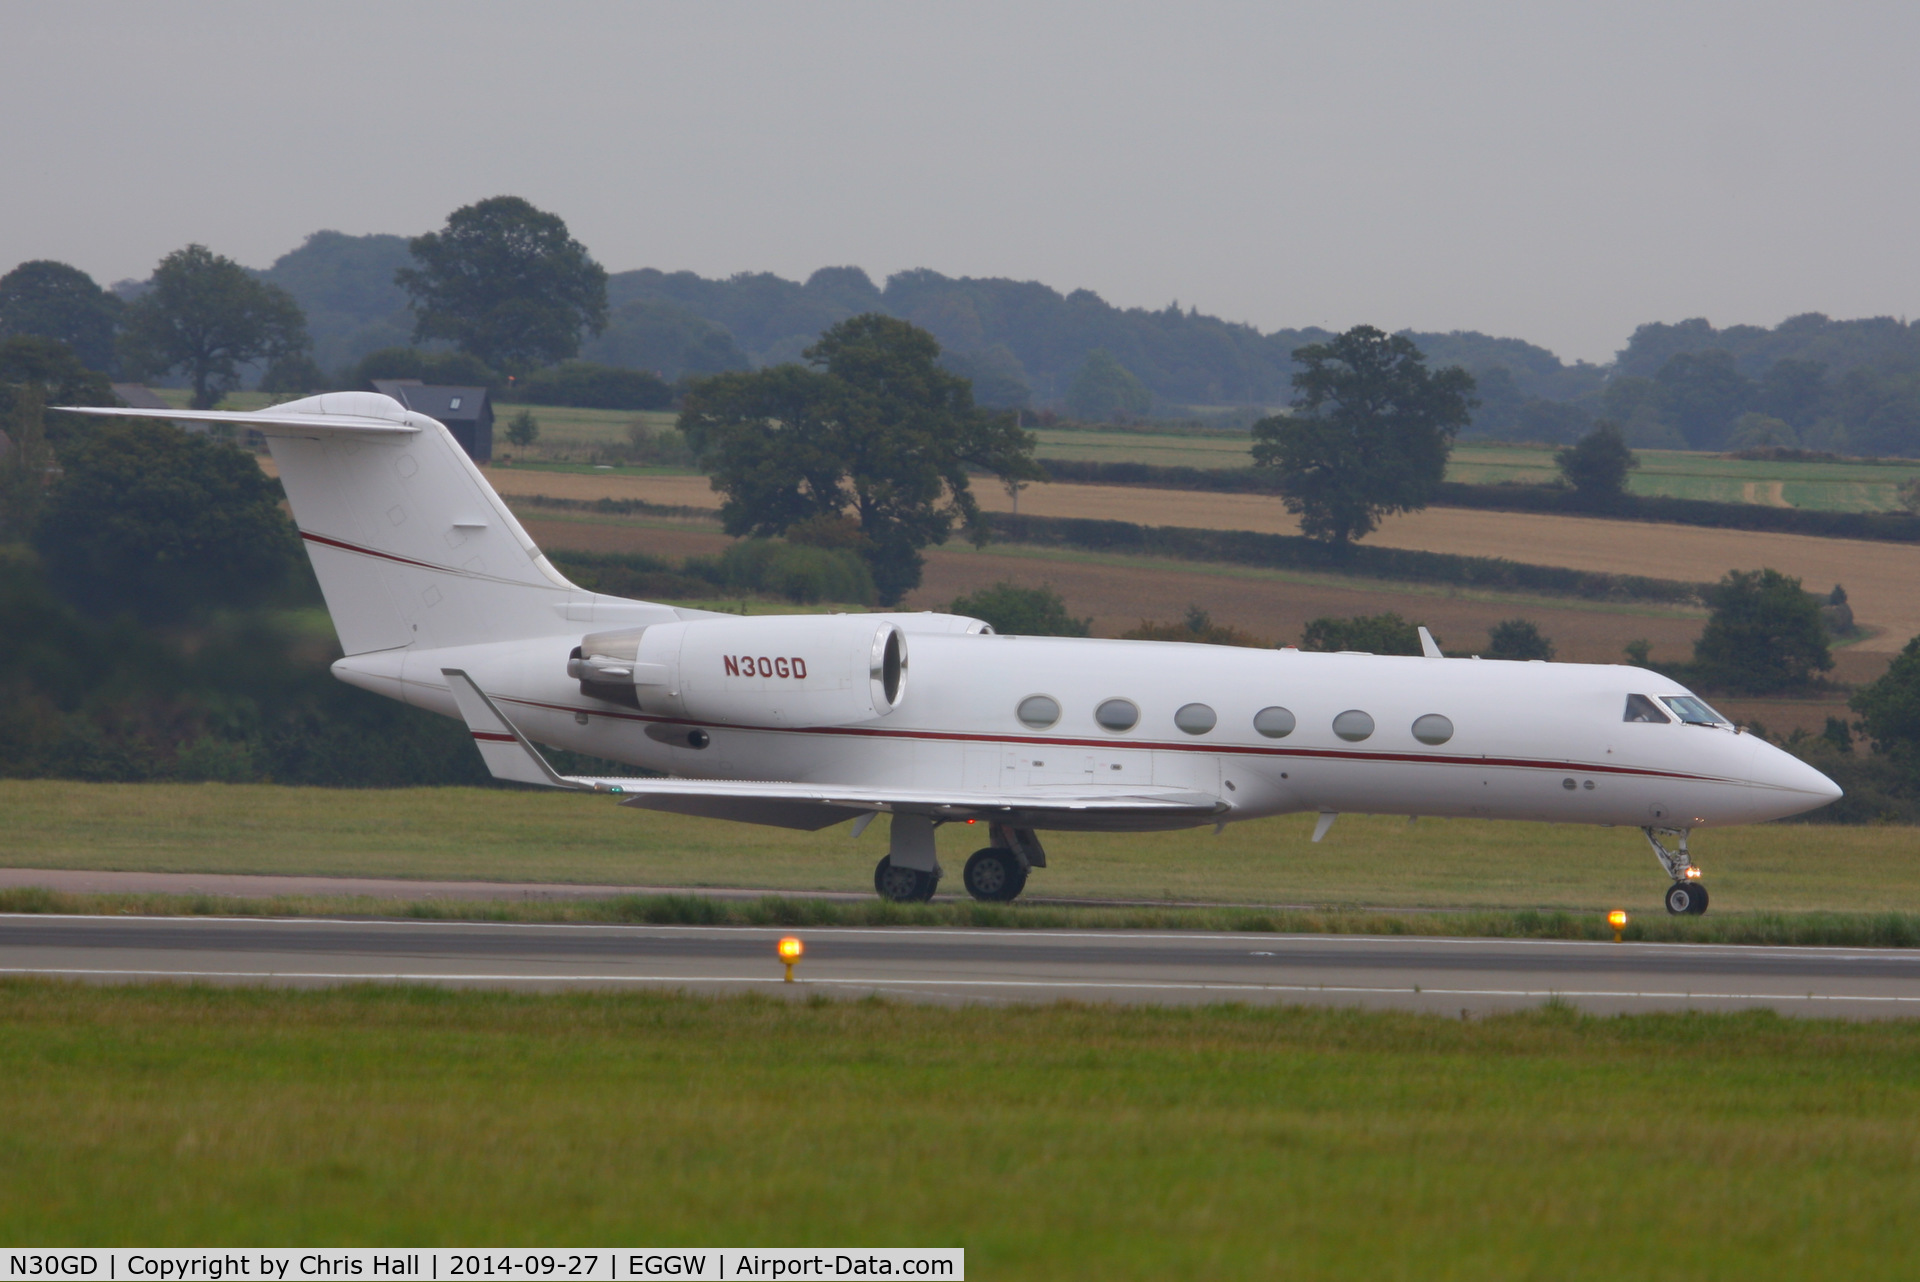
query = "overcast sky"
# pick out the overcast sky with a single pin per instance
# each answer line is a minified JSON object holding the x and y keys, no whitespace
{"x":1553,"y":172}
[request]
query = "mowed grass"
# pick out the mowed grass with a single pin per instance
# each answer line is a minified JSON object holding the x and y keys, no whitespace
{"x":527,"y":836}
{"x":1060,"y":1141}
{"x":1830,"y":486}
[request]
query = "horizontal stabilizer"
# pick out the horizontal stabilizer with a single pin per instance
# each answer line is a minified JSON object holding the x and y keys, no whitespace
{"x":348,"y":413}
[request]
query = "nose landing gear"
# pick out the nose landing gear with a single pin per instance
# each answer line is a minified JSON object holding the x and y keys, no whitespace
{"x":1686,"y":897}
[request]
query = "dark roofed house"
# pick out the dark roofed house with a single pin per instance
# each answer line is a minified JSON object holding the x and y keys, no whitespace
{"x":467,"y":411}
{"x":139,"y":396}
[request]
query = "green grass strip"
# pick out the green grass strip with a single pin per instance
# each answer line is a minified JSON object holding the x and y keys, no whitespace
{"x":1830,"y":929}
{"x":1063,"y":1140}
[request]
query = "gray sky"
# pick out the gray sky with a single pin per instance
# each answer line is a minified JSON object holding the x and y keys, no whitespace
{"x":1558,"y":173}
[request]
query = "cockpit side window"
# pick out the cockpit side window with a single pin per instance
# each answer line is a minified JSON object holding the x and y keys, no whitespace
{"x":1693,"y":711}
{"x":1641,"y":708}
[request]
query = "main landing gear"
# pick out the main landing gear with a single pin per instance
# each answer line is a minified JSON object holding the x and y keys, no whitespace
{"x":904,"y":885}
{"x":995,"y":875}
{"x":1686,"y":897}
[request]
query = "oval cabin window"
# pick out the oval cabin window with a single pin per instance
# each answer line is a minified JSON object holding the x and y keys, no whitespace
{"x":1117,"y":714}
{"x":1038,"y":711}
{"x":1196,"y":718}
{"x":1433,"y":728}
{"x":1353,"y":725}
{"x":1274,"y":723}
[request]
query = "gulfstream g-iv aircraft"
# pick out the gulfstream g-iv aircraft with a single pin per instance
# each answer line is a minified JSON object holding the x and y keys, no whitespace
{"x":803,"y":721}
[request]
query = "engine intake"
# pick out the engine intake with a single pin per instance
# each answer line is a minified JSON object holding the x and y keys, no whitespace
{"x":786,"y":670}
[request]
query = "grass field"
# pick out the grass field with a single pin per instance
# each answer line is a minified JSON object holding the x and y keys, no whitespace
{"x":1050,"y":1142}
{"x":1836,"y":486}
{"x":500,"y":835}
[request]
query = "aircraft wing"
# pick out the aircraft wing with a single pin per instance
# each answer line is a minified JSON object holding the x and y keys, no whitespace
{"x":509,"y":755}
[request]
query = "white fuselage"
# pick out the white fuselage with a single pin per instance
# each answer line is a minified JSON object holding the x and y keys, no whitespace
{"x":1539,"y":741}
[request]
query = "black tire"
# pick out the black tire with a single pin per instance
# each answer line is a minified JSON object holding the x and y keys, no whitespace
{"x":903,"y":885}
{"x":994,"y":876}
{"x":1686,"y":899}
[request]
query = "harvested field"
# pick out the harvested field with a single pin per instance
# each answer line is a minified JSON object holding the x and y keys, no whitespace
{"x":1880,"y":578}
{"x":1118,"y":592}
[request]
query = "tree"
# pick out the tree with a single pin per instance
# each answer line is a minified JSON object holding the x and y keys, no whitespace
{"x":1763,"y":634}
{"x":877,"y":430}
{"x":1372,"y":633}
{"x":1198,"y":626}
{"x":25,"y":462}
{"x":1596,"y":465}
{"x":206,"y":316}
{"x":586,"y":385}
{"x":149,"y":519}
{"x":296,"y":373}
{"x":523,"y":429}
{"x":1703,"y":393}
{"x":1889,"y":708}
{"x":457,"y":369}
{"x":1104,"y":390}
{"x":1518,"y":639}
{"x":506,"y":282}
{"x":1026,"y":612}
{"x":52,"y":300}
{"x":57,"y":377}
{"x":1370,"y":433}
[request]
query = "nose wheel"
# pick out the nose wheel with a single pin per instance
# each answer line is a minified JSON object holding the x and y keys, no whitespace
{"x":1686,"y":899}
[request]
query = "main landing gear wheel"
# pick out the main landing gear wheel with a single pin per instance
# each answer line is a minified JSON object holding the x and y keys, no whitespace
{"x":1686,"y":899}
{"x":903,"y":885}
{"x":995,"y":875}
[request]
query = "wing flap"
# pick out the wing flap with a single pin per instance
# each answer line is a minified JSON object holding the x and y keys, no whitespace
{"x":810,"y":806}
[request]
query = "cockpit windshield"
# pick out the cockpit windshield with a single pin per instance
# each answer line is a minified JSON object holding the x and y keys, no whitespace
{"x":1693,"y":711}
{"x":1641,"y":708}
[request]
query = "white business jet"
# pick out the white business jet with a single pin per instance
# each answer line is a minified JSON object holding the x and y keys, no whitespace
{"x":803,"y":721}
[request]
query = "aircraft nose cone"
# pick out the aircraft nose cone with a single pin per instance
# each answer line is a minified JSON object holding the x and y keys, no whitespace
{"x":1796,"y":785}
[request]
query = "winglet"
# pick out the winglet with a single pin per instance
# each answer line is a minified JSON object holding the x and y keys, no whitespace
{"x":505,"y":750}
{"x":1428,"y":646}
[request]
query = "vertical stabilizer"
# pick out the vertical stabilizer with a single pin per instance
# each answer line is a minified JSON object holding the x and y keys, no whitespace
{"x":410,"y":543}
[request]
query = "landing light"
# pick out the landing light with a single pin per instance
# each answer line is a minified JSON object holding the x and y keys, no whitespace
{"x":790,"y":950}
{"x":1692,"y":873}
{"x":1618,"y":920}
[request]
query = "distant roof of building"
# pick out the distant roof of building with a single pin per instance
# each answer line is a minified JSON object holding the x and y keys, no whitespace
{"x":448,"y":404}
{"x":139,"y":396}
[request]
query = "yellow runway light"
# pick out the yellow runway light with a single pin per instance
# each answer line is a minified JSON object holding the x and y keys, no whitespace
{"x":790,"y":950}
{"x":1618,"y":920}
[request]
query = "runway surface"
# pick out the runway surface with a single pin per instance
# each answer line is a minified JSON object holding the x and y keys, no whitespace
{"x":1440,"y":975}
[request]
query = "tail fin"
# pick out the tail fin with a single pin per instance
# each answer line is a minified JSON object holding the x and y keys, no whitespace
{"x":409,"y":542}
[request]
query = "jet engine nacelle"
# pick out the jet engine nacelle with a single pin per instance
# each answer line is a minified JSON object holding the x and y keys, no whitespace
{"x":819,"y":670}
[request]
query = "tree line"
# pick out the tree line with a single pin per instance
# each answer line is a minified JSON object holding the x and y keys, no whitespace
{"x":1848,"y":386}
